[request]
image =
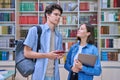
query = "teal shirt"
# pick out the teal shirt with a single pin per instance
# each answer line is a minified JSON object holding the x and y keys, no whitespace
{"x":87,"y":72}
{"x":41,"y":63}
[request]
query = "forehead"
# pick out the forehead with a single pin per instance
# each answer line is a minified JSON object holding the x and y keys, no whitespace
{"x":83,"y":26}
{"x":56,"y":11}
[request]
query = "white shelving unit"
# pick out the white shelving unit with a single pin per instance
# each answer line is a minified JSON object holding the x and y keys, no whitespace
{"x":7,"y":33}
{"x":82,"y":11}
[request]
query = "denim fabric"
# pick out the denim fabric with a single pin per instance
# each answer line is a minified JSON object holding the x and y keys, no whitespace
{"x":87,"y":72}
{"x":41,"y":64}
{"x":49,"y":78}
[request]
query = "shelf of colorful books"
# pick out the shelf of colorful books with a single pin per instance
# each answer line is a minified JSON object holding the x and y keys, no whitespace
{"x":69,"y":6}
{"x":68,"y":33}
{"x":7,"y":30}
{"x":69,"y":19}
{"x":10,"y":63}
{"x":6,"y":55}
{"x":110,"y":4}
{"x":110,"y":55}
{"x":110,"y":43}
{"x":43,"y":3}
{"x":88,"y":5}
{"x":88,"y":18}
{"x":7,"y":3}
{"x":7,"y":9}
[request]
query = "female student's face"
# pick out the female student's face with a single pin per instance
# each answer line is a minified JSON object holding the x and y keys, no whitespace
{"x":54,"y":17}
{"x":82,"y":31}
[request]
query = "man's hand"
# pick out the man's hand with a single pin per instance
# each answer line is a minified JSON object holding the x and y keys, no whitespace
{"x":52,"y":55}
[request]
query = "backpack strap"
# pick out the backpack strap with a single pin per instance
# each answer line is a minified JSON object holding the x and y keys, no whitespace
{"x":39,"y":32}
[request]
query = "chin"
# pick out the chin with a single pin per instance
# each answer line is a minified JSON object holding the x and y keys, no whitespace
{"x":55,"y":23}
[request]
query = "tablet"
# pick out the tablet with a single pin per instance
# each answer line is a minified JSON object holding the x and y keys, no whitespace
{"x":87,"y":59}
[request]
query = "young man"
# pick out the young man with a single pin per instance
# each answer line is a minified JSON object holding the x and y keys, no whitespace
{"x":46,"y":67}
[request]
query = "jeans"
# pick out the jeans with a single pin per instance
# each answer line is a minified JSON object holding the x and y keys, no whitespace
{"x":74,"y":76}
{"x":49,"y":78}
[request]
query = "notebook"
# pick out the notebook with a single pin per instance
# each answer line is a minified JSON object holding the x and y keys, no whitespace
{"x":87,"y":59}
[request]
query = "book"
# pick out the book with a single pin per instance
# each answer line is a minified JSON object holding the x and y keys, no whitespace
{"x":59,"y":51}
{"x":3,"y":71}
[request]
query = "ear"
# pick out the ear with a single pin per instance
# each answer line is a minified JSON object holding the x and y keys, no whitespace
{"x":47,"y":15}
{"x":88,"y":33}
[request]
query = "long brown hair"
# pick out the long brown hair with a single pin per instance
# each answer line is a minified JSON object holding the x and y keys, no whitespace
{"x":91,"y":37}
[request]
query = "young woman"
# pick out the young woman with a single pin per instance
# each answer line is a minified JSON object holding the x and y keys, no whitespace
{"x":85,"y":45}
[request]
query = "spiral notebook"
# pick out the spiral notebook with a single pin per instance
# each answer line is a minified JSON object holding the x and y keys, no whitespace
{"x":87,"y":59}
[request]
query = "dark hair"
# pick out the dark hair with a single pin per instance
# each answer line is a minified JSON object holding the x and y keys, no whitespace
{"x":52,"y":7}
{"x":90,"y":29}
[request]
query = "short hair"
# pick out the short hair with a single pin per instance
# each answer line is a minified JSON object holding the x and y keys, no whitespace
{"x":51,"y":8}
{"x":91,"y":37}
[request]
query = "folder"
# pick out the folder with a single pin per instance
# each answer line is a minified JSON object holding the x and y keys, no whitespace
{"x":87,"y":59}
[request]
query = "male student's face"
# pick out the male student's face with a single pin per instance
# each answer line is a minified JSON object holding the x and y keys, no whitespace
{"x":54,"y":17}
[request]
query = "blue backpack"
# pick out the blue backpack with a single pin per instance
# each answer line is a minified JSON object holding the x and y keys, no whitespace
{"x":25,"y":65}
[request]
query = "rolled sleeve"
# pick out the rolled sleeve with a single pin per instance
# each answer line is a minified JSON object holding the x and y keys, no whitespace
{"x":31,"y":37}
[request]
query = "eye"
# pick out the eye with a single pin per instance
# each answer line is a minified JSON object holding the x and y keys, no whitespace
{"x":56,"y":14}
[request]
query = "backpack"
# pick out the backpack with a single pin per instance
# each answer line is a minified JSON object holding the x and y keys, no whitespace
{"x":25,"y":65}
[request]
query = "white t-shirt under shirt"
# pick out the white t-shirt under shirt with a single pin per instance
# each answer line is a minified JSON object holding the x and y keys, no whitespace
{"x":50,"y":66}
{"x":79,"y":51}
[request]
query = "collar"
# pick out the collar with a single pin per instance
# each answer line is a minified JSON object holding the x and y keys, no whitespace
{"x":87,"y":45}
{"x":48,"y":28}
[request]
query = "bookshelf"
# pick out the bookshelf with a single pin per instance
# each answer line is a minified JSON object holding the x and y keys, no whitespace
{"x":88,"y":13}
{"x":110,"y":30}
{"x":109,"y":38}
{"x":17,"y":16}
{"x":68,"y":24}
{"x":7,"y":33}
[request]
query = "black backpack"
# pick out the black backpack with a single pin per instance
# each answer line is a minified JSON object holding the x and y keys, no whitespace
{"x":25,"y":65}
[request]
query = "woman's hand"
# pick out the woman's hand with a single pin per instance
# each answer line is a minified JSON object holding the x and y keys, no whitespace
{"x":75,"y":69}
{"x":78,"y":64}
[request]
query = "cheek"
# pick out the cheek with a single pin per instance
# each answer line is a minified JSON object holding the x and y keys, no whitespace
{"x":81,"y":33}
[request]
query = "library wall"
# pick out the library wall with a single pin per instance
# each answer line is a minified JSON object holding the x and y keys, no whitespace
{"x":17,"y":16}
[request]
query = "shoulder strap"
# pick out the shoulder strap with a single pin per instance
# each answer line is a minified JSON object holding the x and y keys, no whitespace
{"x":39,"y":32}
